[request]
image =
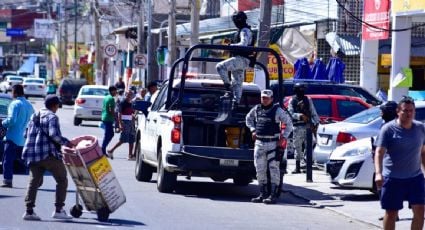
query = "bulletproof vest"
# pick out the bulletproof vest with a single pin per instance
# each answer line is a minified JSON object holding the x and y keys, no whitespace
{"x":237,"y":39}
{"x":266,"y":124}
{"x":301,"y":106}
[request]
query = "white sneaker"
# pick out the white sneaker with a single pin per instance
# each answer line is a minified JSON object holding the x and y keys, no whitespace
{"x":32,"y":216}
{"x":61,"y":215}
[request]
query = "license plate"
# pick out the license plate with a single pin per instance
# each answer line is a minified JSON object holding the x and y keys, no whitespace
{"x":324,"y":139}
{"x":97,"y":112}
{"x":31,"y":87}
{"x":229,"y":162}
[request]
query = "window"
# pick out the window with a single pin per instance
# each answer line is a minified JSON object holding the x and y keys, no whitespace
{"x":94,"y":91}
{"x":323,"y":107}
{"x":4,"y":104}
{"x":160,"y":99}
{"x":348,"y":108}
{"x":365,"y":116}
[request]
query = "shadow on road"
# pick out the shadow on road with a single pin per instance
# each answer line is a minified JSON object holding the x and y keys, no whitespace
{"x":110,"y":223}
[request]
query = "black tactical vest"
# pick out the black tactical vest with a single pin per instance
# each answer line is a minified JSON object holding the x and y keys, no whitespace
{"x":266,"y":121}
{"x":237,"y":39}
{"x":301,"y":106}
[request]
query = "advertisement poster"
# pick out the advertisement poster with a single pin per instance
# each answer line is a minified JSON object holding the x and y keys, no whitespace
{"x":376,"y":13}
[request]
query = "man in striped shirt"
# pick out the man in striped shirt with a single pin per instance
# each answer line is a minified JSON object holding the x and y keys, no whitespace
{"x":42,"y":152}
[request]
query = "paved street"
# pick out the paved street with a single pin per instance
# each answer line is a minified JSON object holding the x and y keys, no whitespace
{"x":198,"y":204}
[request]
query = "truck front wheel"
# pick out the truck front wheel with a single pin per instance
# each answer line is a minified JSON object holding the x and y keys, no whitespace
{"x":166,"y":181}
{"x":143,"y":171}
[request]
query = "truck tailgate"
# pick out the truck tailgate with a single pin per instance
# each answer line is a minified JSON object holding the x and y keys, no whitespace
{"x":219,"y":152}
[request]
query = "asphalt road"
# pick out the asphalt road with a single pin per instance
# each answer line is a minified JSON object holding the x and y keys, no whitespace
{"x":196,"y":204}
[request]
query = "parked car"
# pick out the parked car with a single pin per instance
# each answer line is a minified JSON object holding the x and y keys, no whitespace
{"x":351,"y":165}
{"x":9,"y":81}
{"x":329,"y":88}
{"x":333,"y":108}
{"x":69,"y":88}
{"x":5,"y":100}
{"x":89,"y":102}
{"x":34,"y":87}
{"x":365,"y":124}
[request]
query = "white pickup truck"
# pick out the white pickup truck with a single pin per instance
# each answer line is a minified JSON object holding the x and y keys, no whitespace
{"x":185,"y":140}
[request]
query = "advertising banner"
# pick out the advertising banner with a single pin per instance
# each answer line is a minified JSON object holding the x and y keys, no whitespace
{"x":376,"y":13}
{"x":44,"y":28}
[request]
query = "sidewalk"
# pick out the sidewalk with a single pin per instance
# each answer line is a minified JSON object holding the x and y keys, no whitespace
{"x":361,"y":205}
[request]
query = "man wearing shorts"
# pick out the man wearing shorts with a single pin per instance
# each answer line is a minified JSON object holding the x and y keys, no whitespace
{"x":126,"y":125}
{"x":399,"y":155}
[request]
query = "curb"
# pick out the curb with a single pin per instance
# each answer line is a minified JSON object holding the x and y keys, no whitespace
{"x":315,"y":204}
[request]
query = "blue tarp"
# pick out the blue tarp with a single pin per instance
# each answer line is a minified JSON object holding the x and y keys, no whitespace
{"x":319,"y":70}
{"x":335,"y":70}
{"x":302,"y":69}
{"x":28,"y":66}
{"x":417,"y":95}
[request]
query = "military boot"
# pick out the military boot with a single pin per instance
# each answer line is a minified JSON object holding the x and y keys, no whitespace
{"x":297,"y":168}
{"x":263,"y":194}
{"x":271,"y":199}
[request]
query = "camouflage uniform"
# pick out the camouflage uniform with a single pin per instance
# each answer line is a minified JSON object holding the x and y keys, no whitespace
{"x":300,"y":127}
{"x":236,"y":65}
{"x":265,"y":151}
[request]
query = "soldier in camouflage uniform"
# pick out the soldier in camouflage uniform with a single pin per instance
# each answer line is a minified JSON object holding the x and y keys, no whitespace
{"x":264,"y":122}
{"x":303,"y":114}
{"x":239,"y":61}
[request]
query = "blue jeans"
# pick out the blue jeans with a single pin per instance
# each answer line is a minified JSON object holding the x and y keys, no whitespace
{"x":11,"y":151}
{"x":109,"y":134}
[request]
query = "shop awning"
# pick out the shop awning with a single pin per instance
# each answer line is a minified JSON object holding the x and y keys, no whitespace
{"x":349,"y":45}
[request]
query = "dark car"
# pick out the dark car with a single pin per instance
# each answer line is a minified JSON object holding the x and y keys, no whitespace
{"x":69,"y":88}
{"x":329,"y":88}
{"x":19,"y":166}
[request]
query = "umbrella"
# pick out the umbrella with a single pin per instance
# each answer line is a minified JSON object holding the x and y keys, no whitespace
{"x":302,"y":69}
{"x":335,"y":70}
{"x":318,"y":70}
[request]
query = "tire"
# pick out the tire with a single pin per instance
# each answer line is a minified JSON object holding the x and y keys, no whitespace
{"x":166,"y":181}
{"x":77,"y":121}
{"x":143,"y":171}
{"x":103,"y":214}
{"x":219,"y":178}
{"x":76,"y":211}
{"x":242,"y":180}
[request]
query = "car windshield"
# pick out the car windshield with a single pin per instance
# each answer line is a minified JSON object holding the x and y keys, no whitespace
{"x":4,"y":104}
{"x":365,"y":116}
{"x":94,"y":91}
{"x":38,"y":81}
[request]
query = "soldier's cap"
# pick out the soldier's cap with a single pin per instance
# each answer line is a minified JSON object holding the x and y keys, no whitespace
{"x":266,"y":93}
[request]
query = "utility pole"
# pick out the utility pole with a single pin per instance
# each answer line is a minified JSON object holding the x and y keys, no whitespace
{"x":151,"y":60}
{"x":194,"y":25}
{"x":171,"y":35}
{"x":263,"y":36}
{"x":65,"y":38}
{"x":141,"y":38}
{"x":98,"y":47}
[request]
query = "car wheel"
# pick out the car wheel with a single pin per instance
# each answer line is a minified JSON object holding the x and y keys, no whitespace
{"x":242,"y":180}
{"x":166,"y":181}
{"x":77,"y":121}
{"x":143,"y":171}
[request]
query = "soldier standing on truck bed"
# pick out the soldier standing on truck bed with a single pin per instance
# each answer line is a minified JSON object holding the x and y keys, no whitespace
{"x":264,"y":122}
{"x":303,"y":113}
{"x":239,"y":61}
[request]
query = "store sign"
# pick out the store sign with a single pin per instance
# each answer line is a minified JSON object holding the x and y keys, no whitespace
{"x":15,"y":32}
{"x":399,"y":6}
{"x":44,"y":28}
{"x":376,"y":13}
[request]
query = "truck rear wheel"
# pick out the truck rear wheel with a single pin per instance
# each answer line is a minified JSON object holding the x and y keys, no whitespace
{"x":166,"y":181}
{"x":143,"y":171}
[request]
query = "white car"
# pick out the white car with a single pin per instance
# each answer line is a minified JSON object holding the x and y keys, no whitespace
{"x":34,"y":87}
{"x":361,"y":125}
{"x":9,"y":81}
{"x":89,"y":102}
{"x":351,"y":165}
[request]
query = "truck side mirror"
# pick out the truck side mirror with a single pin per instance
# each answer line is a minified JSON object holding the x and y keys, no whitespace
{"x":142,"y":106}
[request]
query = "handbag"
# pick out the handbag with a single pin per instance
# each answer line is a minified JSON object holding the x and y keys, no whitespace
{"x":37,"y":123}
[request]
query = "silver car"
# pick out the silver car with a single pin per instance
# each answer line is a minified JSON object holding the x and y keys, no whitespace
{"x":361,"y":125}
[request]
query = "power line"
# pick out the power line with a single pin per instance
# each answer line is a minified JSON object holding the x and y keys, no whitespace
{"x":373,"y":26}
